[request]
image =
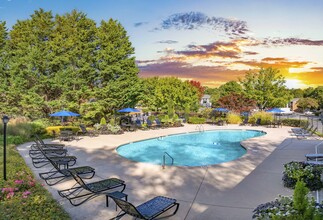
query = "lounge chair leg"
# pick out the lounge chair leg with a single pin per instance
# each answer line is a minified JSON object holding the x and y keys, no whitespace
{"x":177,"y":206}
{"x":119,"y":216}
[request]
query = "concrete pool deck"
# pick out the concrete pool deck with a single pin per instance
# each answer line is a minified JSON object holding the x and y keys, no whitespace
{"x":229,"y":190}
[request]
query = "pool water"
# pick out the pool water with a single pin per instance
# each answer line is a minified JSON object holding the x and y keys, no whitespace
{"x":191,"y":149}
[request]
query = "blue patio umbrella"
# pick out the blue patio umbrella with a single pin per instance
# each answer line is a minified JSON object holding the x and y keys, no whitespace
{"x":128,"y":110}
{"x":64,"y":114}
{"x":220,"y":110}
{"x":275,"y":110}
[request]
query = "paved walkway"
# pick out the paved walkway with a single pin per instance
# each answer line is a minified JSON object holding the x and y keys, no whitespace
{"x":229,"y":190}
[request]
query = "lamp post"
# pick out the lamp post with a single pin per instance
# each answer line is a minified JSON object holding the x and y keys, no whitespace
{"x":5,"y":120}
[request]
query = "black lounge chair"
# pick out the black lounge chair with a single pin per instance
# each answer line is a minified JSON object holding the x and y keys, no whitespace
{"x":139,"y":125}
{"x":57,"y":175}
{"x":306,"y":135}
{"x":158,"y":123}
{"x":258,"y":122}
{"x":310,"y":157}
{"x":50,"y":152}
{"x":84,"y":131}
{"x":148,"y":210}
{"x":40,"y":157}
{"x":245,"y":122}
{"x":39,"y":162}
{"x":302,"y":130}
{"x":77,"y":195}
{"x":150,"y":124}
{"x":39,"y":141}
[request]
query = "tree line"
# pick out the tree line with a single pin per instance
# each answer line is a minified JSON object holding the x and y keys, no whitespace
{"x":53,"y":62}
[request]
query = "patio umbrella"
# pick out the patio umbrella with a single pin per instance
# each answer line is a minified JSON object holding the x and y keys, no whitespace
{"x":275,"y":110}
{"x":220,"y":110}
{"x":64,"y":114}
{"x":128,"y":110}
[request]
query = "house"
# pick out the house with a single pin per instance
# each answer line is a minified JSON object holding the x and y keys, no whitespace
{"x":293,"y":104}
{"x":205,"y":101}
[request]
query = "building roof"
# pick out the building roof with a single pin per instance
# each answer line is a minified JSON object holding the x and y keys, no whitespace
{"x":206,"y":96}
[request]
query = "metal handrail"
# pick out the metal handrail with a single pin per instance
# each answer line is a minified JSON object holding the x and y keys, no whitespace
{"x":164,"y":159}
{"x":200,"y":128}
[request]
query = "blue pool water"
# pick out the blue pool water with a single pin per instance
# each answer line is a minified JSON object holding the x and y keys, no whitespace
{"x":191,"y":149}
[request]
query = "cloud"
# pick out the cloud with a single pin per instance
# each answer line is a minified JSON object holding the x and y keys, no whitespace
{"x":250,"y":53}
{"x":183,"y":70}
{"x":296,"y":41}
{"x":277,"y":64}
{"x":196,"y":20}
{"x":138,"y":24}
{"x":284,"y":42}
{"x":217,"y":49}
{"x":167,"y":42}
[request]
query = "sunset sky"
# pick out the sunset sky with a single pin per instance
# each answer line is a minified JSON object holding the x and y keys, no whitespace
{"x":209,"y":41}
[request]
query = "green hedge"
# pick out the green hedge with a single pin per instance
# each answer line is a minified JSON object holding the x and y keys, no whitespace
{"x":196,"y":120}
{"x":294,"y":122}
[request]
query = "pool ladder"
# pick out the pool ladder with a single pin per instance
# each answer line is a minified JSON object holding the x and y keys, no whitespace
{"x":200,"y":128}
{"x":164,"y":159}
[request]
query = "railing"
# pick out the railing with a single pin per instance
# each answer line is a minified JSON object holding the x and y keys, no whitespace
{"x":200,"y":128}
{"x":164,"y":159}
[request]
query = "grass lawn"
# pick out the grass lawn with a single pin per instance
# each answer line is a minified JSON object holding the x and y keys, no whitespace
{"x":21,"y":196}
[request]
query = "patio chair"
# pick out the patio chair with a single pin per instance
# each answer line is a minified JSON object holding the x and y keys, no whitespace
{"x":245,"y":122}
{"x":38,"y":151}
{"x":139,"y":125}
{"x":310,"y":157}
{"x":258,"y":122}
{"x":84,"y":131}
{"x":57,"y":174}
{"x":306,"y":135}
{"x":302,"y":130}
{"x":77,"y":195}
{"x":150,"y":124}
{"x":158,"y":123}
{"x":39,"y":159}
{"x":39,"y":141}
{"x":148,"y":210}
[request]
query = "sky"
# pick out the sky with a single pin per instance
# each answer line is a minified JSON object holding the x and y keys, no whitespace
{"x":210,"y":41}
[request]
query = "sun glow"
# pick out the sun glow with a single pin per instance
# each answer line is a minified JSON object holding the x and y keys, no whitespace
{"x":295,"y":84}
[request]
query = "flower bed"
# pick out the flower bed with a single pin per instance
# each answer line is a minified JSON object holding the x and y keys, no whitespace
{"x":310,"y":174}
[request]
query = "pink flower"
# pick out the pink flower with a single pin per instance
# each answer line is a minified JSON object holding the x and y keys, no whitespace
{"x":10,"y":195}
{"x":19,"y":181}
{"x":25,"y":194}
{"x":31,"y":183}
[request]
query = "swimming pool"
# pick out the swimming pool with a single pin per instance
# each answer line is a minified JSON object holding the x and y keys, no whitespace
{"x":190,"y":149}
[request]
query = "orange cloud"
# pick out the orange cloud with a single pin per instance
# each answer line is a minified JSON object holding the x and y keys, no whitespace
{"x":212,"y":76}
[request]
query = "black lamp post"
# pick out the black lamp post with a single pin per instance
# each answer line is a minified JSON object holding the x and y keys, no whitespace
{"x":5,"y":120}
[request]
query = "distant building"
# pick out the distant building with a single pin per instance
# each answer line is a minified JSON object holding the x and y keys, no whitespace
{"x":205,"y":101}
{"x":293,"y":104}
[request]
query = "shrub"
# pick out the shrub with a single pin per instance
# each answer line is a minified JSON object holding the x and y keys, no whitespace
{"x":233,"y":118}
{"x":294,"y":122}
{"x":103,"y":121}
{"x":265,"y":117}
{"x":207,"y":113}
{"x":196,"y":120}
{"x":57,"y":129}
{"x":114,"y":129}
{"x":297,"y":207}
{"x":300,"y":171}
